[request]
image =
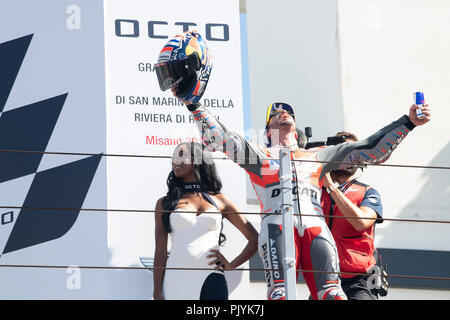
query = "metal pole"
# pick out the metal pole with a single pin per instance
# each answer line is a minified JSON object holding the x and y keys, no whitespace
{"x":288,"y":225}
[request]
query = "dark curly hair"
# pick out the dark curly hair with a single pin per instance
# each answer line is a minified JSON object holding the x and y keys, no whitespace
{"x":205,"y":175}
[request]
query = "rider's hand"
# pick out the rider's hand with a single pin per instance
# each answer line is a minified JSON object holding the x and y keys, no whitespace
{"x":419,"y":121}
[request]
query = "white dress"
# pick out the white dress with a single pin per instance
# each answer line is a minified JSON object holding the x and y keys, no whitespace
{"x":192,"y":238}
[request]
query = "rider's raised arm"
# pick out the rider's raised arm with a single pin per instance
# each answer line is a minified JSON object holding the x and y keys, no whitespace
{"x":217,"y":138}
{"x":375,"y":149}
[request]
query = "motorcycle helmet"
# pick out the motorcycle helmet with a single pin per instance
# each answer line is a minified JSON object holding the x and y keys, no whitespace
{"x":185,"y":62}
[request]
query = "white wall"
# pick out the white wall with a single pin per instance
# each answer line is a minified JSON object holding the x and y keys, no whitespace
{"x":293,"y":58}
{"x":390,"y":49}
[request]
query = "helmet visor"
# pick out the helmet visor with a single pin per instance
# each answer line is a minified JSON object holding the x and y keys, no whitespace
{"x":170,"y":73}
{"x":276,"y":108}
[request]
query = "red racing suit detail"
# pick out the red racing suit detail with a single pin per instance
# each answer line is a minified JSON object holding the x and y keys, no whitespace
{"x":316,"y":249}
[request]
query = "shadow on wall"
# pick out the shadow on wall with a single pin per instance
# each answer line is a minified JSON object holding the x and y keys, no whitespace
{"x":432,"y":201}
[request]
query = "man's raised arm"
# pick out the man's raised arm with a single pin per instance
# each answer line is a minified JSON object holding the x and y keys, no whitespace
{"x":217,"y":138}
{"x":375,"y":149}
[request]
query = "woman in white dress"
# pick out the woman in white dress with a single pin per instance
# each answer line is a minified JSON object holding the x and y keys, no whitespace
{"x":192,"y":213}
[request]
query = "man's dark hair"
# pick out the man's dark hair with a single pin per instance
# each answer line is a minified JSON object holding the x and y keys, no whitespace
{"x":347,"y":135}
{"x":352,"y":137}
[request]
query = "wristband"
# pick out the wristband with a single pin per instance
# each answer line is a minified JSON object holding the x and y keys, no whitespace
{"x":408,"y":123}
{"x":332,"y":187}
{"x":193,"y":106}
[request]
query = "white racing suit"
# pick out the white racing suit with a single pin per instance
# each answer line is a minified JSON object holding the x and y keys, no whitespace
{"x":315,"y":247}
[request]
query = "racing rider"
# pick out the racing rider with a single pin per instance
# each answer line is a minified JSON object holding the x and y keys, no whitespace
{"x":315,"y":247}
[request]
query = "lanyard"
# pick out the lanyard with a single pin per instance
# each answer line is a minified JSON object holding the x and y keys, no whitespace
{"x":195,"y":187}
{"x":333,"y":204}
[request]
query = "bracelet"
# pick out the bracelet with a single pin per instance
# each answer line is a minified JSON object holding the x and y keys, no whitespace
{"x":332,"y":187}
